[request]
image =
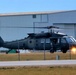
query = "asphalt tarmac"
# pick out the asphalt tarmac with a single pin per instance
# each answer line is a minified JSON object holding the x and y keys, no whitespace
{"x":37,"y":63}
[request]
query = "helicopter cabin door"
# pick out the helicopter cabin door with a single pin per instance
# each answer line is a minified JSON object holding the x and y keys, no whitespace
{"x":55,"y":43}
{"x":45,"y":43}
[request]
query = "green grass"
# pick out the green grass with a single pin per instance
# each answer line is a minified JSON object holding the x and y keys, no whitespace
{"x":36,"y":56}
{"x":66,"y":70}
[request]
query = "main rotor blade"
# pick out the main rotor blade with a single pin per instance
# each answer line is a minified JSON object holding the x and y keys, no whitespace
{"x":14,"y":27}
{"x":48,"y":27}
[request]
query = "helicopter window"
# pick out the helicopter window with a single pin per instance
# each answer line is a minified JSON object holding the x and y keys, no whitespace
{"x":58,"y":41}
{"x":63,"y":40}
{"x":30,"y":41}
{"x":47,"y":40}
{"x":70,"y":39}
{"x":42,"y":40}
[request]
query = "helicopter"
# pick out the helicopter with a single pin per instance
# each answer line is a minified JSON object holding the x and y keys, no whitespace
{"x":51,"y":41}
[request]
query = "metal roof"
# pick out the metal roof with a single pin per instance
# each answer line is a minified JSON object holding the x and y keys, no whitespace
{"x":30,"y":13}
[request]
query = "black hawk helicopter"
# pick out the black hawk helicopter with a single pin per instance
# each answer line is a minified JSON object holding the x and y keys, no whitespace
{"x":51,"y":41}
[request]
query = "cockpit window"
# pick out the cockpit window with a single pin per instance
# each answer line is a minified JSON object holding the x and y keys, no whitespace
{"x":70,"y":39}
{"x":63,"y":40}
{"x":73,"y":39}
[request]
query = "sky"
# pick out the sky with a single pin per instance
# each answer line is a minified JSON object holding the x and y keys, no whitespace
{"x":10,"y":6}
{"x":13,"y":6}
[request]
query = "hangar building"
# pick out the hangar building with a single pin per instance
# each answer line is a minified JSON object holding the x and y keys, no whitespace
{"x":62,"y":19}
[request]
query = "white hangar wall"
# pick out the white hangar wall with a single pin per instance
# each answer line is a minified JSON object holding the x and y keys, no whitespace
{"x":65,"y":19}
{"x":23,"y":21}
{"x":20,"y":20}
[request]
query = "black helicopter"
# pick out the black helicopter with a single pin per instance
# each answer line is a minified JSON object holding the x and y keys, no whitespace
{"x":51,"y":41}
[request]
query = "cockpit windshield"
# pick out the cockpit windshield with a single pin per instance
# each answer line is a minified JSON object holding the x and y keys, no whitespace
{"x":70,"y":39}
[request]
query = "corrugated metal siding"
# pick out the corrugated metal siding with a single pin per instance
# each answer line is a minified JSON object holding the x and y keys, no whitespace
{"x":28,"y":20}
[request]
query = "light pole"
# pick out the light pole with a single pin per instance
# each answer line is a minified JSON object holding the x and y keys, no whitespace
{"x":18,"y":52}
{"x":70,"y":52}
{"x":34,"y":38}
{"x":44,"y":48}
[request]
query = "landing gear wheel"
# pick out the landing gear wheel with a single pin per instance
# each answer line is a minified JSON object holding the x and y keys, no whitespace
{"x":51,"y":51}
{"x":64,"y":51}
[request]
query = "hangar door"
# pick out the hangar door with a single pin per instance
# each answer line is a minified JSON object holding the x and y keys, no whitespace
{"x":67,"y":28}
{"x":75,"y":30}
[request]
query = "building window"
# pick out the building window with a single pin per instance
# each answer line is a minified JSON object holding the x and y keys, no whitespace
{"x":34,"y":16}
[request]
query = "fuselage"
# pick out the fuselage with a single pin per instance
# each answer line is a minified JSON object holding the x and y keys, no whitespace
{"x":45,"y":41}
{"x":40,"y":43}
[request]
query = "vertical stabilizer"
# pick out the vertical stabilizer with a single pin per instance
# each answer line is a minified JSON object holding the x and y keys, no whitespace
{"x":1,"y":42}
